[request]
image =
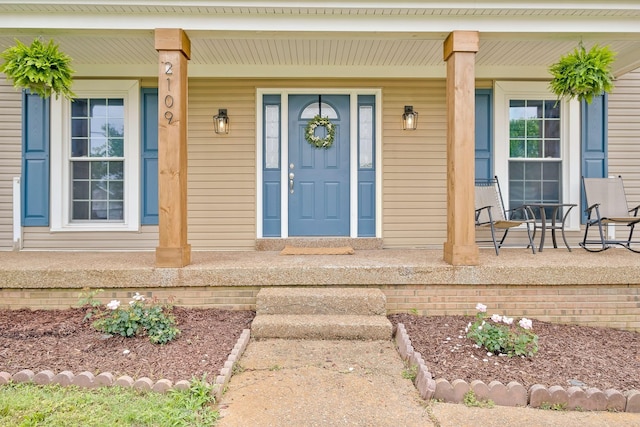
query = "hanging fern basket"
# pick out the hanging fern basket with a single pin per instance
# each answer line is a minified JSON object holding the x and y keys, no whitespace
{"x":40,"y":68}
{"x":583,"y":74}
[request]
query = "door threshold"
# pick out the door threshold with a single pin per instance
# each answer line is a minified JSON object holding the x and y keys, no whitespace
{"x":358,"y":243}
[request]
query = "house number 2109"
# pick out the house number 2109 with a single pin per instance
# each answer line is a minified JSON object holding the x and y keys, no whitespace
{"x":168,"y":99}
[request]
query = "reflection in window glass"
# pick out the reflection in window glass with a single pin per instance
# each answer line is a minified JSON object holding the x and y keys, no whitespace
{"x":97,"y":190}
{"x":97,"y":163}
{"x":535,"y":158}
{"x":272,"y":136}
{"x":534,"y":125}
{"x":534,"y":182}
{"x":516,"y":148}
{"x":533,"y":148}
{"x":365,"y":133}
{"x":97,"y":127}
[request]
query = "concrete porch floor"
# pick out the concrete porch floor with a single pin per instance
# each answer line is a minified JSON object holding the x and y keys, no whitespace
{"x":41,"y":270}
{"x":599,"y":289}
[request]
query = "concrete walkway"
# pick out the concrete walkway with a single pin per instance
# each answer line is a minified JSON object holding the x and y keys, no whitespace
{"x":300,"y":383}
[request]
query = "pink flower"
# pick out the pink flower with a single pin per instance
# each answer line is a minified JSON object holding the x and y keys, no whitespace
{"x":525,"y":323}
{"x":496,"y":318}
{"x":507,"y":320}
{"x":114,"y":304}
{"x":138,"y":297}
{"x":481,"y":308}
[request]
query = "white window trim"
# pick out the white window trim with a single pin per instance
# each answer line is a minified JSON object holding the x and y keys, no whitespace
{"x":504,"y":91}
{"x":60,"y":151}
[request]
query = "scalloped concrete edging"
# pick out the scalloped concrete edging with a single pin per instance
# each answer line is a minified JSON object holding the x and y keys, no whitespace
{"x":513,"y":394}
{"x":106,"y":379}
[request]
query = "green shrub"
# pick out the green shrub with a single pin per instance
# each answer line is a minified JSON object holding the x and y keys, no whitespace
{"x":140,"y":317}
{"x":499,"y":335}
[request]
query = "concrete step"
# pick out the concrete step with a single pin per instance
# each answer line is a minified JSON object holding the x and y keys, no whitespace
{"x":321,"y":327}
{"x":321,"y":301}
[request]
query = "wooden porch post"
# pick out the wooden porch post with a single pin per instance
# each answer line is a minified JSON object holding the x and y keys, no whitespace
{"x":460,"y":49}
{"x":174,"y":49}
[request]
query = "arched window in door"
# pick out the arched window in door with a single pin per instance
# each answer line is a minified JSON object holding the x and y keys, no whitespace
{"x":312,"y":110}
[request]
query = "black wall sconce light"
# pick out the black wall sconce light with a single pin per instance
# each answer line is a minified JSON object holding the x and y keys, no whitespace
{"x":409,"y":118}
{"x":221,"y":122}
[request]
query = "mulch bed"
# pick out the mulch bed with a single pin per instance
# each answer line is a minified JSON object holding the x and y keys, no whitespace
{"x":568,"y":355}
{"x":59,"y":340}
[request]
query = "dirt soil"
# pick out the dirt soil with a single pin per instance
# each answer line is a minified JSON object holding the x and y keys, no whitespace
{"x":568,"y":355}
{"x":59,"y":340}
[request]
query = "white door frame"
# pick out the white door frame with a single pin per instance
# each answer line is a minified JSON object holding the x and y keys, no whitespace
{"x":284,"y":155}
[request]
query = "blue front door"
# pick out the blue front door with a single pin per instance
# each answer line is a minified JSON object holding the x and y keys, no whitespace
{"x":318,"y":178}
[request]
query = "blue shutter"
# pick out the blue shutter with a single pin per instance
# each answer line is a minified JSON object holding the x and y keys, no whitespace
{"x":35,"y":160}
{"x":594,"y":140}
{"x":484,"y":134}
{"x":149,"y":158}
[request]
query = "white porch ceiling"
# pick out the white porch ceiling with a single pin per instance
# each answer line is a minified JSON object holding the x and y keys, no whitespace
{"x":336,"y":39}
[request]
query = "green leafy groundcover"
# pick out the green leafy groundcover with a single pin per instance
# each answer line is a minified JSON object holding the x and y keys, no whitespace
{"x":583,"y":74}
{"x":53,"y":405}
{"x":40,"y":68}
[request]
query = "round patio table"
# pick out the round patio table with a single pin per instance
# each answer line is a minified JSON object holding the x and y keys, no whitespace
{"x":556,"y":223}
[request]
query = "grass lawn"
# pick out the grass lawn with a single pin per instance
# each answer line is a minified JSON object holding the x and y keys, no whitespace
{"x":32,"y":405}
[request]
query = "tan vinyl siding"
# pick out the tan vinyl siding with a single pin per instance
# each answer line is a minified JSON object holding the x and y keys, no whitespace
{"x":222,"y":169}
{"x":414,"y":166}
{"x":624,"y":133}
{"x":10,"y":156}
{"x":222,"y":183}
{"x":40,"y":238}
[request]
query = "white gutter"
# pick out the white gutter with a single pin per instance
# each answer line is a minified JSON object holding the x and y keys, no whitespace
{"x":351,"y":4}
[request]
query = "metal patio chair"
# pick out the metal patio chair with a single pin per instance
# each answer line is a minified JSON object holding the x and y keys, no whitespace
{"x":607,"y":205}
{"x":490,"y":212}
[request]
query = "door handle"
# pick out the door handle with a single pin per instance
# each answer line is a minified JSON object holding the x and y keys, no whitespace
{"x":291,"y":176}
